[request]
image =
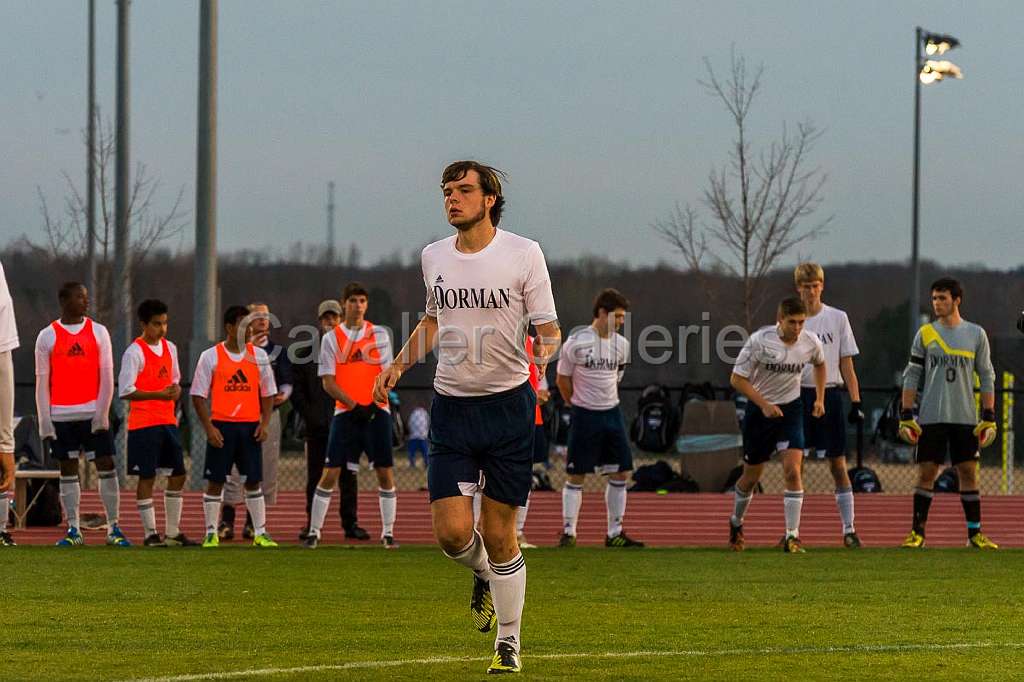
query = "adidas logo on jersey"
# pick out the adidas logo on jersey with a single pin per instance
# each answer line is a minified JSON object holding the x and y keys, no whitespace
{"x":439,"y":280}
{"x":76,"y":351}
{"x":356,"y":356}
{"x":237,"y":382}
{"x":162,"y":374}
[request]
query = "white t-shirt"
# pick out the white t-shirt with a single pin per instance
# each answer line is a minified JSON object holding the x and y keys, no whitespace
{"x":8,"y":327}
{"x":45,"y":342}
{"x":133,"y":361}
{"x":832,"y":327}
{"x":596,"y":367}
{"x":203,"y":377}
{"x":773,"y":367}
{"x":483,"y":303}
{"x":330,"y":354}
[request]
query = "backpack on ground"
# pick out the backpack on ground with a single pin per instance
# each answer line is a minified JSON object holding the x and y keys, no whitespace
{"x":656,"y":423}
{"x":864,"y":480}
{"x":888,"y":428}
{"x":651,"y":477}
{"x":561,"y":420}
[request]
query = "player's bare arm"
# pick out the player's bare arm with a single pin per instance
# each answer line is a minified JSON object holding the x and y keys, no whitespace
{"x":820,"y":376}
{"x":743,"y":385}
{"x":213,"y":434}
{"x":330,"y":385}
{"x":415,"y":349}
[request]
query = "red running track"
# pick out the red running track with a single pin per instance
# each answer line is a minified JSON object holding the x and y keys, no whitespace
{"x":661,"y":520}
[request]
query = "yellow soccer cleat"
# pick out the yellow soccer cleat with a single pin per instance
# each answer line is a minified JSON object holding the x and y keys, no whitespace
{"x":506,"y":660}
{"x":211,"y":540}
{"x":914,"y":541}
{"x":263,"y":540}
{"x":979,"y":541}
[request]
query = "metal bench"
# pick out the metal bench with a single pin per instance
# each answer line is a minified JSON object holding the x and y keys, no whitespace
{"x":21,"y":502}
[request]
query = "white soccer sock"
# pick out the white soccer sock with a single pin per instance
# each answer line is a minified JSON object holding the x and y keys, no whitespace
{"x":5,"y":507}
{"x":792,"y":501}
{"x":521,"y":513}
{"x":740,"y":501}
{"x":70,"y":496}
{"x":473,"y":556}
{"x":318,"y":512}
{"x":211,"y":511}
{"x":615,"y":502}
{"x":110,"y":492}
{"x":508,"y":589}
{"x":478,"y":501}
{"x":572,"y":500}
{"x":172,"y":513}
{"x":148,"y":515}
{"x":257,"y":507}
{"x":844,"y":500}
{"x":388,"y":500}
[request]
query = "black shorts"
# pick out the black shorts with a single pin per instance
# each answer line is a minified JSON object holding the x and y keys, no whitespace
{"x":349,"y":439}
{"x":956,"y":439}
{"x":77,"y":437}
{"x":763,"y":437}
{"x":827,"y":434}
{"x":153,"y":450}
{"x":598,"y":442}
{"x":240,"y":449}
{"x":486,"y":439}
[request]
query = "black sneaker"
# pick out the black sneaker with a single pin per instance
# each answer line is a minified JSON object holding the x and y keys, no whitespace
{"x":506,"y":660}
{"x":736,"y":541}
{"x":304,"y":533}
{"x":225,"y":531}
{"x":6,"y":540}
{"x":792,"y":545}
{"x":356,"y":533}
{"x":851,"y":541}
{"x":388,"y":542}
{"x":248,"y":532}
{"x":153,"y":540}
{"x":180,"y":540}
{"x":311,"y":541}
{"x":482,"y":605}
{"x":622,"y":540}
{"x":567,"y":540}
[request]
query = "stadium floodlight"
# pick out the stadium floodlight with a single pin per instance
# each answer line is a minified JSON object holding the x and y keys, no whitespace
{"x":926,"y":72}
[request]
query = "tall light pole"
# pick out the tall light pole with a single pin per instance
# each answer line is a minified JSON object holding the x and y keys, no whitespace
{"x":90,"y":161}
{"x":330,"y":224}
{"x":926,"y":71}
{"x":122,"y":286}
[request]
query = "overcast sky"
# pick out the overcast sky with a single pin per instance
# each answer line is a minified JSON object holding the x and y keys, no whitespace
{"x":593,"y":109}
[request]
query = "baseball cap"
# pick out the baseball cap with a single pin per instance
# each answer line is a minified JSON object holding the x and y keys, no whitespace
{"x":328,"y":306}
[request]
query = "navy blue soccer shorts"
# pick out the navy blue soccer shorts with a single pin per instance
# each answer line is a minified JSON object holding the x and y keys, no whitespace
{"x":598,"y":442}
{"x":349,"y":439}
{"x":240,"y":449}
{"x":826,"y":434}
{"x":155,"y":450}
{"x":763,"y":437}
{"x":486,"y":440}
{"x":77,"y":437}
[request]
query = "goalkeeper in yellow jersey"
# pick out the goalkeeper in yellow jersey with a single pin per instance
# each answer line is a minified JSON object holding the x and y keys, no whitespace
{"x":944,"y":357}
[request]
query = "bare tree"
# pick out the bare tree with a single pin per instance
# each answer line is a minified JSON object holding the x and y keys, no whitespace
{"x":67,"y":229}
{"x":757,"y":200}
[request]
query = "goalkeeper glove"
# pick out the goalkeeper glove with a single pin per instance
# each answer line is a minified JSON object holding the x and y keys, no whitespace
{"x":910,"y":430}
{"x":986,"y":428}
{"x":856,"y":415}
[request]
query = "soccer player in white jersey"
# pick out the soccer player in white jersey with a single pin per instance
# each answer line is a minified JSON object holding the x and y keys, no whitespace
{"x":826,"y":436}
{"x":767,"y":372}
{"x":484,"y":287}
{"x":590,"y":367}
{"x":74,"y":387}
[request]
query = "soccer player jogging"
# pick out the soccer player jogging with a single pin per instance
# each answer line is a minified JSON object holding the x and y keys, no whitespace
{"x":484,"y":287}
{"x":8,"y":342}
{"x":826,"y":436}
{"x":149,"y":381}
{"x":352,"y":356}
{"x":74,"y":387}
{"x":235,"y":378}
{"x":768,"y":372}
{"x":590,"y":367}
{"x":946,"y":354}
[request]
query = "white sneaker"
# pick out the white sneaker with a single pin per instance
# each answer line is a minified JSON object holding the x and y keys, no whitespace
{"x":524,"y":543}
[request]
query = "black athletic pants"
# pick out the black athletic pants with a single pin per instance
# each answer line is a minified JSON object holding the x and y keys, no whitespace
{"x":316,"y":454}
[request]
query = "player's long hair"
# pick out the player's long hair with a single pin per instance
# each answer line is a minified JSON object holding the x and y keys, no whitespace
{"x":490,"y":182}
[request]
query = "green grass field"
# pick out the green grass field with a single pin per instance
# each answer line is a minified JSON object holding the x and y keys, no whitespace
{"x":290,"y":614}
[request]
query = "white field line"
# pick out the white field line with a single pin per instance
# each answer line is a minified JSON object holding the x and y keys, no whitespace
{"x":682,"y":653}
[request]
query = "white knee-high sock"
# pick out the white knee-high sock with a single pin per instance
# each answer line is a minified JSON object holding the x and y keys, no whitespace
{"x":5,"y":509}
{"x":478,"y":501}
{"x":572,"y":500}
{"x":793,"y":501}
{"x":521,"y":513}
{"x":740,"y":502}
{"x":844,"y":500}
{"x":615,"y":502}
{"x":388,"y":500}
{"x":110,"y":492}
{"x":508,"y":589}
{"x":257,"y":507}
{"x":172,"y":513}
{"x":211,"y":511}
{"x":473,"y":556}
{"x":148,"y":515}
{"x":70,"y":497}
{"x":318,"y":512}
